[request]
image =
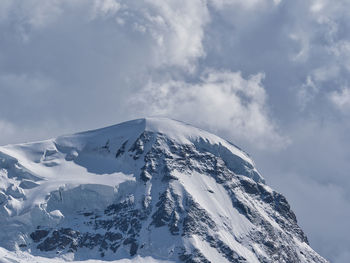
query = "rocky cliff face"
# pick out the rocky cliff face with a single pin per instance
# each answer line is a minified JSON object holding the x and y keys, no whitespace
{"x":150,"y":187}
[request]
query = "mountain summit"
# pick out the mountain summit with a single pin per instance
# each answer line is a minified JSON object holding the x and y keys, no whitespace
{"x":147,"y":190}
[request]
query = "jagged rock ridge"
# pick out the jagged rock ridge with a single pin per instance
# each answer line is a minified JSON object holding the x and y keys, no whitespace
{"x":150,"y":187}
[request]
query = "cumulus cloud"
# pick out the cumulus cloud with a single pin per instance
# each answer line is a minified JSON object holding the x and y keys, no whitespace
{"x":95,"y":53}
{"x":175,"y":27}
{"x":178,"y":28}
{"x":324,"y":47}
{"x":222,"y":101}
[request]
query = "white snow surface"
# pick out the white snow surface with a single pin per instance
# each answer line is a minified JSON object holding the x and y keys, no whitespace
{"x":20,"y":257}
{"x":179,"y":131}
{"x":52,"y":184}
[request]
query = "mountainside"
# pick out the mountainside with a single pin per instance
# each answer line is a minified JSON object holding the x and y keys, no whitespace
{"x":148,"y":190}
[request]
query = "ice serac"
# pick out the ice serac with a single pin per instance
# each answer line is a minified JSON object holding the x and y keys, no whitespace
{"x":148,"y":190}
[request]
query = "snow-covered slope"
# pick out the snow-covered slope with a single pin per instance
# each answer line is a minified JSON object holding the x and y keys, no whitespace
{"x":145,"y":190}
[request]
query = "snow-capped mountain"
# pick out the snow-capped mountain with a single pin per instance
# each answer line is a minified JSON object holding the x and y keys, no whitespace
{"x":148,"y":190}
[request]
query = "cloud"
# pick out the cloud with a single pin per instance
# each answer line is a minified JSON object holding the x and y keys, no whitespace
{"x":26,"y":132}
{"x":35,"y":13}
{"x":341,"y":99}
{"x":178,"y":28}
{"x":326,"y":203}
{"x":247,"y":5}
{"x":6,"y":131}
{"x":341,"y":51}
{"x":313,"y":173}
{"x":173,"y":30}
{"x":58,"y":57}
{"x":23,"y":95}
{"x":324,"y":48}
{"x":307,"y":92}
{"x":222,"y":101}
{"x":25,"y":83}
{"x":105,"y":7}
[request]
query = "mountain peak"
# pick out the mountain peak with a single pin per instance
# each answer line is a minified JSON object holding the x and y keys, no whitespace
{"x":151,"y":189}
{"x":178,"y":131}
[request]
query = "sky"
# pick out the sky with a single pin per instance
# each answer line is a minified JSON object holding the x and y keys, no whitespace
{"x":272,"y":76}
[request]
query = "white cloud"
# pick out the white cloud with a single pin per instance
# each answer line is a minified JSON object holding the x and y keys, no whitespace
{"x":307,"y":92}
{"x":105,"y":7}
{"x":37,"y":13}
{"x":222,"y":101}
{"x":247,"y":4}
{"x":341,"y":99}
{"x":178,"y":28}
{"x":312,"y":86}
{"x":302,"y":38}
{"x":341,"y":51}
{"x":40,"y":13}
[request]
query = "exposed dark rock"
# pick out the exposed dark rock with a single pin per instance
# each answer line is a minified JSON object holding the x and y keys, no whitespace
{"x":194,"y":257}
{"x":197,"y":221}
{"x":38,"y":235}
{"x":60,"y":239}
{"x":121,"y":150}
{"x":250,"y":187}
{"x":139,"y":145}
